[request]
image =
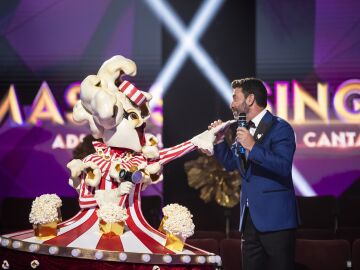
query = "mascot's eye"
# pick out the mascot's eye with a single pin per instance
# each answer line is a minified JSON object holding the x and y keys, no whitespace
{"x":133,"y":116}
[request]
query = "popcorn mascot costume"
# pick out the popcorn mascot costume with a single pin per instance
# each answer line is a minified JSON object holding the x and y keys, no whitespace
{"x":109,"y":181}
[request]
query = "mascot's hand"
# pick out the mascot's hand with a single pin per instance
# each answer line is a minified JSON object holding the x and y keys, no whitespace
{"x":205,"y":141}
{"x":220,"y":128}
{"x":126,"y":187}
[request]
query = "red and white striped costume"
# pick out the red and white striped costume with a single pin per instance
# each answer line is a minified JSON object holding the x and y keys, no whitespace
{"x":86,"y":196}
{"x":82,"y":231}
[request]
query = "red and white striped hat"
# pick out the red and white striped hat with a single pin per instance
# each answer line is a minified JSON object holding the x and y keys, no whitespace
{"x":134,"y":94}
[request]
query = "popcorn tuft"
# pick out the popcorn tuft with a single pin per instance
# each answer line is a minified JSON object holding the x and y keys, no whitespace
{"x":174,"y":209}
{"x":44,"y":209}
{"x":111,"y":213}
{"x":178,"y":221}
{"x":180,"y":225}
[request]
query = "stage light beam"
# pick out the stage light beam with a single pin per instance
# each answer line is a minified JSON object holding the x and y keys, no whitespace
{"x":188,"y":45}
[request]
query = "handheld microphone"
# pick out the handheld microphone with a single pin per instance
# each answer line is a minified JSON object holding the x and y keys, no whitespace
{"x":134,"y":177}
{"x":241,"y":123}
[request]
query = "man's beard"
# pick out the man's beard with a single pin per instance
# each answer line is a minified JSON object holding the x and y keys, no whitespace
{"x":241,"y":109}
{"x":236,"y":115}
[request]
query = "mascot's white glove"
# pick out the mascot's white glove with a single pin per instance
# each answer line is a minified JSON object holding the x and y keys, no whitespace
{"x":126,"y":187}
{"x":205,"y":141}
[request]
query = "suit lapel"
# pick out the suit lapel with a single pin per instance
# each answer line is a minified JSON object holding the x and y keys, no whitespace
{"x":264,"y":126}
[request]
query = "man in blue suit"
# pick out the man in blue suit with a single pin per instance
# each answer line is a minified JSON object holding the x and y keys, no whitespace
{"x":268,"y":216}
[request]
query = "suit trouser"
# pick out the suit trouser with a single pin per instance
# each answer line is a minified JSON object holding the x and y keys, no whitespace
{"x":269,"y":250}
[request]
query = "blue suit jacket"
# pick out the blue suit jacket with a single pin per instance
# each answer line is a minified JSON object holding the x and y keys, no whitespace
{"x":267,"y":181}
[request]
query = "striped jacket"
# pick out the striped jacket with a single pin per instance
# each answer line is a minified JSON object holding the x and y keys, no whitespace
{"x":103,"y":157}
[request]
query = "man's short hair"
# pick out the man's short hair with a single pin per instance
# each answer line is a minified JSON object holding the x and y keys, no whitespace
{"x":252,"y":86}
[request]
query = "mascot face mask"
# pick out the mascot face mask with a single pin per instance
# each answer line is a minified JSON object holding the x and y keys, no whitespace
{"x":129,"y":133}
{"x":115,"y":113}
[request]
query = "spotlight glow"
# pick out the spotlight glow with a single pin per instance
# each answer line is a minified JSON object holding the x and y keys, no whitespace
{"x":188,"y":45}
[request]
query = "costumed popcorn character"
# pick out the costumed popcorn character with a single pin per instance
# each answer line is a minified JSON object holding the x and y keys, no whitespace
{"x":125,"y":163}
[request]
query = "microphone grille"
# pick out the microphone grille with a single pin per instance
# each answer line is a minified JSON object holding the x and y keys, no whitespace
{"x":136,"y":177}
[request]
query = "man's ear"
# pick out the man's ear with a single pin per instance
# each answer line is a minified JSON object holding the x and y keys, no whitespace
{"x":250,"y":99}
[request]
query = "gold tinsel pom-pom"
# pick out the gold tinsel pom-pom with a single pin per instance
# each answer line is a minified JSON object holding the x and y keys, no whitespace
{"x":208,"y":175}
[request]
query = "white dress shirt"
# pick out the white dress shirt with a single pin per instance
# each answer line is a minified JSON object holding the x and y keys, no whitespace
{"x":256,"y":120}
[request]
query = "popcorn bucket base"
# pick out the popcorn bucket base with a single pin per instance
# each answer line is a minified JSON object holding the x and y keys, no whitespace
{"x":111,"y":228}
{"x":174,"y":243}
{"x":45,"y":231}
{"x":161,"y":226}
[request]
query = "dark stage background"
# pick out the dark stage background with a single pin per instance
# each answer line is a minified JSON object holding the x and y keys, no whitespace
{"x":190,"y":104}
